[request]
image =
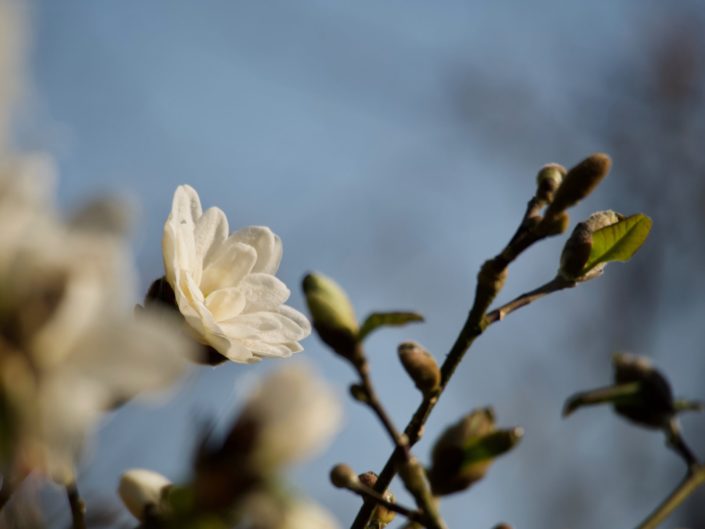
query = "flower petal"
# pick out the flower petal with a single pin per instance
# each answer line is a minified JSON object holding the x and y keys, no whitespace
{"x":210,"y":232}
{"x":266,"y":243}
{"x":226,"y":303}
{"x":269,"y":327}
{"x":233,"y":261}
{"x":263,"y":292}
{"x":186,"y":206}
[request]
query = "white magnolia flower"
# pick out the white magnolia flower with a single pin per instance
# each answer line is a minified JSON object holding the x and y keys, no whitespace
{"x":69,"y":345}
{"x":265,"y":511}
{"x":225,"y":285}
{"x":140,"y":488}
{"x":296,"y":414}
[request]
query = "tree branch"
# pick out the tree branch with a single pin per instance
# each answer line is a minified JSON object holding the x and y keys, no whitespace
{"x":694,"y":479}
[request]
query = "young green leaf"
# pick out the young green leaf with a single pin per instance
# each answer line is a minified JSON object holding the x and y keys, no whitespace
{"x":618,"y":241}
{"x":491,"y":445}
{"x":386,"y":319}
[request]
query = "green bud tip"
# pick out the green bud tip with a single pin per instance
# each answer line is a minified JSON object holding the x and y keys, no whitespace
{"x":343,"y":477}
{"x":548,"y":180}
{"x":332,"y":313}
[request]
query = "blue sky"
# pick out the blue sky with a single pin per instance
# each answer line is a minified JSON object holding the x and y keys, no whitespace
{"x":343,"y":127}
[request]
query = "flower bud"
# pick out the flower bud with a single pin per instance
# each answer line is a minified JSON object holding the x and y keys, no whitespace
{"x":465,"y":451}
{"x":421,"y":367}
{"x":381,"y":516}
{"x":576,"y":251}
{"x":333,"y":315}
{"x":554,"y":225}
{"x":141,"y":489}
{"x":343,"y":477}
{"x":548,"y":180}
{"x":579,"y":182}
{"x":653,"y":405}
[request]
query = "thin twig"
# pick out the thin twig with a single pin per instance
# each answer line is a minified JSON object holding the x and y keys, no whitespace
{"x":400,"y":441}
{"x":372,"y":495}
{"x":474,"y":325}
{"x":689,"y":484}
{"x":422,"y":497}
{"x":78,"y":508}
{"x":556,"y":284}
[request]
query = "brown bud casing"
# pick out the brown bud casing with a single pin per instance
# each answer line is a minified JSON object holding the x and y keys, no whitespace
{"x":579,"y":182}
{"x":421,"y":367}
{"x":381,"y":516}
{"x":654,"y":405}
{"x":548,"y":180}
{"x":343,"y":477}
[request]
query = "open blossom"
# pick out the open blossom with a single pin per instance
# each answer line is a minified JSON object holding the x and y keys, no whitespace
{"x":69,"y":346}
{"x":296,"y":414}
{"x":224,"y":284}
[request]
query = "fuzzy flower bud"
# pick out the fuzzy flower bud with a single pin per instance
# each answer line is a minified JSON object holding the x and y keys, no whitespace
{"x":332,"y":313}
{"x":579,"y":182}
{"x":548,"y":180}
{"x":141,"y":489}
{"x":576,"y":251}
{"x":653,"y":405}
{"x":381,"y":516}
{"x":465,"y":451}
{"x":343,"y":477}
{"x":421,"y":367}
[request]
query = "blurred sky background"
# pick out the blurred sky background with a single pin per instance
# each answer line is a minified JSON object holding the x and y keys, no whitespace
{"x":393,"y":146}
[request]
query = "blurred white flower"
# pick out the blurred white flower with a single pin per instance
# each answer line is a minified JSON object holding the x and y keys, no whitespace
{"x":140,"y":488}
{"x":264,"y":511}
{"x":69,"y":345}
{"x":225,"y":285}
{"x":296,"y":414}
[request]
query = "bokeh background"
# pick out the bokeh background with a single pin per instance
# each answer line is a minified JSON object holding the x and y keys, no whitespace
{"x":393,"y":145}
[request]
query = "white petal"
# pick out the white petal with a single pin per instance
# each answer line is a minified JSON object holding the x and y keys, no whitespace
{"x":296,"y":317}
{"x":231,"y":264}
{"x":225,"y":303}
{"x":279,"y":350}
{"x":263,"y":292}
{"x":186,"y":206}
{"x":210,"y":232}
{"x":266,"y":326}
{"x":267,"y":244}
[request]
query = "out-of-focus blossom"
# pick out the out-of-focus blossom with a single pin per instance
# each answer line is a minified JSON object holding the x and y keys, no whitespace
{"x":225,"y":286}
{"x":265,"y":511}
{"x":141,"y":489}
{"x":69,"y":346}
{"x":296,"y":414}
{"x":290,"y":415}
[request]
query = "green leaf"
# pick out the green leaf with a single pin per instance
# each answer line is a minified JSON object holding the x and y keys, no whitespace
{"x":387,"y":319}
{"x":616,"y":394}
{"x":619,"y":241}
{"x":491,"y":445}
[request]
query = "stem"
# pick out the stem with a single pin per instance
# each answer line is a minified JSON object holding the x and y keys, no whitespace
{"x":488,"y":286}
{"x":400,"y":441}
{"x":78,"y":508}
{"x":556,"y":284}
{"x":372,"y":495}
{"x":689,"y":484}
{"x":401,"y":446}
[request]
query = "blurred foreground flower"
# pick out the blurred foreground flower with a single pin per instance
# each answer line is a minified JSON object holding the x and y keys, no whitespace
{"x":69,"y":347}
{"x":225,"y":286}
{"x":289,"y":416}
{"x":268,"y":512}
